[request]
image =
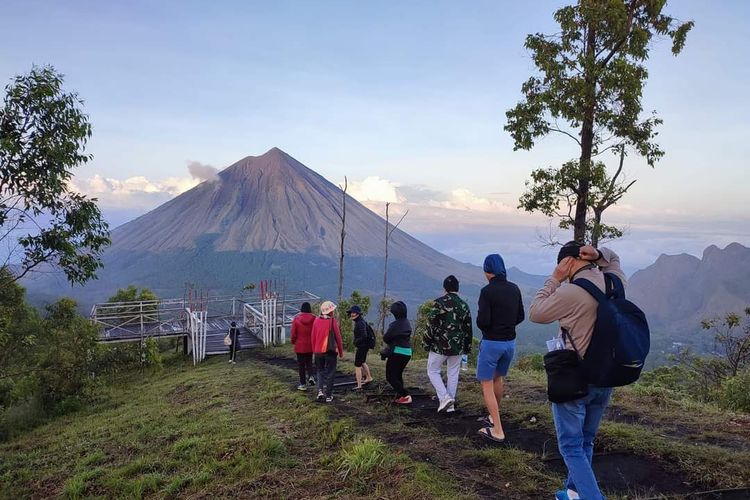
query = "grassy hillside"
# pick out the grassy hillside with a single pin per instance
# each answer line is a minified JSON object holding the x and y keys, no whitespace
{"x":243,"y":431}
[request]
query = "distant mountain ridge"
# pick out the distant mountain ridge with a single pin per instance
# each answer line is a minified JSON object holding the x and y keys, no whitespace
{"x":678,"y":291}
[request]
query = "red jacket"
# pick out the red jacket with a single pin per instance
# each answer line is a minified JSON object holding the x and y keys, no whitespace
{"x":301,"y":332}
{"x":320,"y":330}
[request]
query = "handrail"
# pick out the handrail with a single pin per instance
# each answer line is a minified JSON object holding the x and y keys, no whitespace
{"x":264,"y":316}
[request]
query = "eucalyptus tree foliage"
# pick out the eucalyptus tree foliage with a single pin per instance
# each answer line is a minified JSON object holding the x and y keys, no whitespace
{"x":589,"y":87}
{"x":43,"y":133}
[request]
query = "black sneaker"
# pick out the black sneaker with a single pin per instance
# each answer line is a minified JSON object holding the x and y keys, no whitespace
{"x":329,"y":399}
{"x":320,"y":395}
{"x":311,"y":381}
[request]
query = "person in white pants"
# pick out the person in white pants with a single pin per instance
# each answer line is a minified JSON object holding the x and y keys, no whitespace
{"x":445,"y":395}
{"x":448,"y":336}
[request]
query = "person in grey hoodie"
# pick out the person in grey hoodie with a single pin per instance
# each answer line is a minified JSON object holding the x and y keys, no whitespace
{"x":398,"y":337}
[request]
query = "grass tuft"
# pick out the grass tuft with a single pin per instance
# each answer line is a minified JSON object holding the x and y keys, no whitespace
{"x":76,"y":486}
{"x":363,"y":457}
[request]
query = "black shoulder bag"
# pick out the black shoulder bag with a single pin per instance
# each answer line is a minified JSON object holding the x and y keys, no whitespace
{"x":565,"y":378}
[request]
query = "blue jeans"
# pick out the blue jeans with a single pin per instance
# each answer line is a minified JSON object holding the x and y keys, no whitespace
{"x":576,"y":423}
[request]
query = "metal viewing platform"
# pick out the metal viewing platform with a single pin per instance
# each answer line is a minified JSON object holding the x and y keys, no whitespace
{"x":263,"y":320}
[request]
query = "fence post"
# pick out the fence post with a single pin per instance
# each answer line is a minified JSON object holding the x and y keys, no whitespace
{"x":205,"y":332}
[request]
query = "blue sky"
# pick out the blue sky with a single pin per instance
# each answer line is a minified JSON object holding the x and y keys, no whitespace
{"x":407,"y":99}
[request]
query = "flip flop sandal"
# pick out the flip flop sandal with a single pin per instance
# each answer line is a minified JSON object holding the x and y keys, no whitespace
{"x":486,"y":433}
{"x":486,"y":421}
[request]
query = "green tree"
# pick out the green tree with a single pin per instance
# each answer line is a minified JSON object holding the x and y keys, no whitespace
{"x":707,"y":376}
{"x":420,"y":327}
{"x":384,"y":310}
{"x":43,"y":132}
{"x":132,"y":294}
{"x":19,"y":333}
{"x":589,"y":88}
{"x":347,"y":325}
{"x":731,"y":340}
{"x":17,"y":336}
{"x":133,"y":312}
{"x":67,"y":351}
{"x":120,"y":356}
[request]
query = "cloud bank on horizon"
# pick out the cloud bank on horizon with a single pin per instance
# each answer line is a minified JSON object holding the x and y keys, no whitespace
{"x":459,"y":222}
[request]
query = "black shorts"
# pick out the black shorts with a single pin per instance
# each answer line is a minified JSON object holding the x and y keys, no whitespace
{"x":360,"y":356}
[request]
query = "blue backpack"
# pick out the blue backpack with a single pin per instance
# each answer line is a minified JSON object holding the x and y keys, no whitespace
{"x":621,"y":338}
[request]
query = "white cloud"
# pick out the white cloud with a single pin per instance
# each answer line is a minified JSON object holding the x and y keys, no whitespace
{"x":133,"y":192}
{"x":374,"y":188}
{"x":463,"y":199}
{"x":139,"y":192}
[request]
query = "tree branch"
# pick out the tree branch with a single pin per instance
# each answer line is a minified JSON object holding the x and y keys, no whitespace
{"x":566,"y":133}
{"x":33,"y":265}
{"x":617,"y":198}
{"x":399,"y":222}
{"x":611,"y":187}
{"x":619,"y":44}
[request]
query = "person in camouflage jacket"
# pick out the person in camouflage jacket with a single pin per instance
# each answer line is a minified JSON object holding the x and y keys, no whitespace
{"x":447,"y":337}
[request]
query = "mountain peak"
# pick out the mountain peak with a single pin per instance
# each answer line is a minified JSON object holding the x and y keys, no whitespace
{"x":272,"y":202}
{"x":676,"y":259}
{"x":275,"y":165}
{"x":274,"y":152}
{"x":709,"y":251}
{"x":733,"y":250}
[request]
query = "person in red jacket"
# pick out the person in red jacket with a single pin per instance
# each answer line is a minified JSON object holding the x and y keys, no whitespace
{"x":302,"y":340}
{"x":326,"y":343}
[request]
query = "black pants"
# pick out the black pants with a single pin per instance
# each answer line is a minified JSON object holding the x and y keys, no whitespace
{"x":394,"y":372}
{"x":305,"y":367}
{"x":326,"y":366}
{"x":234,"y":347}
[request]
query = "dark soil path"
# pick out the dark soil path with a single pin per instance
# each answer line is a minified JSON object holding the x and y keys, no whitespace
{"x":618,"y":472}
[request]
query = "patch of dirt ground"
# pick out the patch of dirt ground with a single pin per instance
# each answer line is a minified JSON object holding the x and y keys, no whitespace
{"x":618,"y":472}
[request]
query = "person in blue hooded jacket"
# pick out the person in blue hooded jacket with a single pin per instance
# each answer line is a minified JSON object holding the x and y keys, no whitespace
{"x":500,"y":310}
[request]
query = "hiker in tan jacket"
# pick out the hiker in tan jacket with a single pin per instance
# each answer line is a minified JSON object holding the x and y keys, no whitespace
{"x":576,"y":422}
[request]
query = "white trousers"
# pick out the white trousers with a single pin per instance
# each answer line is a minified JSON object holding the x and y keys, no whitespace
{"x":434,"y":365}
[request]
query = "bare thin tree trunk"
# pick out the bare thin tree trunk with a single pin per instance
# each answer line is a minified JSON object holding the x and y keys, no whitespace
{"x":385,"y":267}
{"x":388,"y":232}
{"x":343,"y":235}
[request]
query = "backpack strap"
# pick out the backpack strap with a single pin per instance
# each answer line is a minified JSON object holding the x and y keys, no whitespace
{"x":615,"y":288}
{"x":566,"y":333}
{"x":592,"y":289}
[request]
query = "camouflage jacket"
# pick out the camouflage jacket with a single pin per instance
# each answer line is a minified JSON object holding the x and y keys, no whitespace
{"x":449,"y":330}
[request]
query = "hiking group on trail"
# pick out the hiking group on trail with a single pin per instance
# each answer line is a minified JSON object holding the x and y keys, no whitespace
{"x":602,"y":343}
